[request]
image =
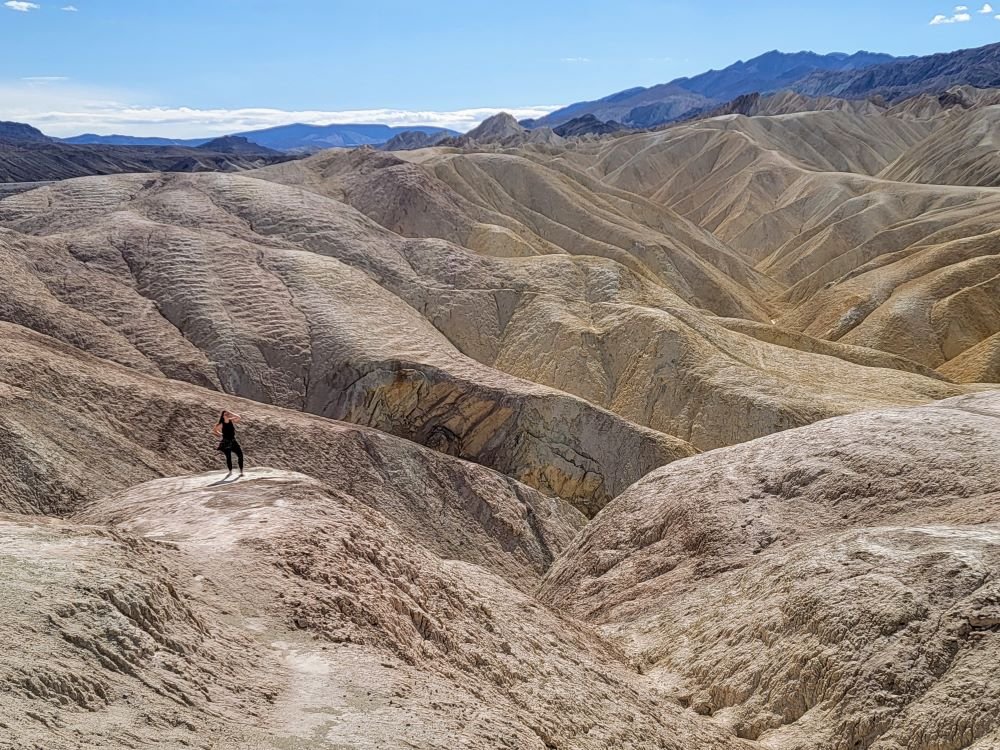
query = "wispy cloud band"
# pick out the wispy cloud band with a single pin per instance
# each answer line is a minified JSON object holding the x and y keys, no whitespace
{"x":62,"y":109}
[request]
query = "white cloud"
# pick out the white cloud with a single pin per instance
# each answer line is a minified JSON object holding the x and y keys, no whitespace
{"x":986,"y":9}
{"x":70,"y":8}
{"x":64,"y":108}
{"x":21,"y":6}
{"x":44,"y":79}
{"x":574,"y":59}
{"x":959,"y":17}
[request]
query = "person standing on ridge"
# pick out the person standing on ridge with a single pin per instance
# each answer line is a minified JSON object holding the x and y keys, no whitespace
{"x":226,"y":430}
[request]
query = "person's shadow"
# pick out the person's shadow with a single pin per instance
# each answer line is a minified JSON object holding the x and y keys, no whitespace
{"x":225,"y":480}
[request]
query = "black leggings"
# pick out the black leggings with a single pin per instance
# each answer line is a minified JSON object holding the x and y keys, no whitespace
{"x":235,"y":448}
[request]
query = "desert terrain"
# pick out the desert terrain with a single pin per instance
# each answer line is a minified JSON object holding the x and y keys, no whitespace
{"x":682,"y":438}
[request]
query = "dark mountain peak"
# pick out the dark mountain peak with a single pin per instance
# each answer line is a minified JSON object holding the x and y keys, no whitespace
{"x":410,"y":140}
{"x":499,"y":126}
{"x":587,"y":125}
{"x":235,"y":144}
{"x":19,"y":132}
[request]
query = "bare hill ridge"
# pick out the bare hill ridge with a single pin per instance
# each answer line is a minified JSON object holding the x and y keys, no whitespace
{"x":864,"y":260}
{"x":963,"y":152}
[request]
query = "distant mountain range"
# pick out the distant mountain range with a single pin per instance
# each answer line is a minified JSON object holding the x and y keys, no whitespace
{"x":862,"y":75}
{"x":92,"y":139}
{"x":775,"y":70}
{"x":288,"y":138}
{"x":643,"y":107}
{"x":979,"y":67}
{"x":300,"y":137}
{"x":28,"y":155}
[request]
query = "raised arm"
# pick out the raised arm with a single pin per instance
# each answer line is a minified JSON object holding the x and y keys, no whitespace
{"x":234,"y":417}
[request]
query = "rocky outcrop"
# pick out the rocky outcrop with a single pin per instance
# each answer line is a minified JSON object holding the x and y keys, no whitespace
{"x":587,"y":125}
{"x":346,"y":609}
{"x":112,"y":645}
{"x":236,"y":144}
{"x":503,"y":131}
{"x":497,"y":128}
{"x":410,"y":140}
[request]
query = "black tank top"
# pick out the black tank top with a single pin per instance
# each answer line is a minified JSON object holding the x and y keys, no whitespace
{"x":228,"y":431}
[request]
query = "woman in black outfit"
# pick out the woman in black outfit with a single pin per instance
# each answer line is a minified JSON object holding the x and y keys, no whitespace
{"x":226,"y":429}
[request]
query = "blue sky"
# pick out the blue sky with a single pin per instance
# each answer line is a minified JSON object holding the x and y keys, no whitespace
{"x":201,"y":67}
